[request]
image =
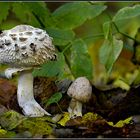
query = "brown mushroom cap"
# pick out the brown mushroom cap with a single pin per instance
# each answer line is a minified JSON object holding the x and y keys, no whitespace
{"x":26,"y":46}
{"x":80,"y":89}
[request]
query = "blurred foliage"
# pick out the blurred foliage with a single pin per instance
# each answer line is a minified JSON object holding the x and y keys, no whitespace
{"x":76,"y":27}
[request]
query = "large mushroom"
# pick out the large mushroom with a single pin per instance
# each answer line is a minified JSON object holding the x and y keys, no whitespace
{"x":24,"y":48}
{"x":80,"y":91}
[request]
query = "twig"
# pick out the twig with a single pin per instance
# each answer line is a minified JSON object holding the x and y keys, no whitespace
{"x":59,"y":107}
{"x":67,"y":47}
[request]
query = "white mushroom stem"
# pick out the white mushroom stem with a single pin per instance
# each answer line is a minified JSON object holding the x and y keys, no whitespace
{"x":26,"y":98}
{"x":75,"y":108}
{"x":10,"y":71}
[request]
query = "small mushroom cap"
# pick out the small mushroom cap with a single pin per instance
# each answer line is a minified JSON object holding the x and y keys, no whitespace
{"x":26,"y":46}
{"x":80,"y":89}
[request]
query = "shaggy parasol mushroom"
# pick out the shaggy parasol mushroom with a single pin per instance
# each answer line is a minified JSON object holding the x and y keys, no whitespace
{"x":80,"y":91}
{"x":24,"y":48}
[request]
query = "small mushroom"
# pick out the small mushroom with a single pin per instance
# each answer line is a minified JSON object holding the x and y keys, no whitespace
{"x":80,"y":91}
{"x":24,"y":61}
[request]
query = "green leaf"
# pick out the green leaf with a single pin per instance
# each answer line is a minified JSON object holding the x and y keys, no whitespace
{"x":24,"y":14}
{"x":109,"y":52}
{"x":6,"y":134}
{"x":127,"y":13}
{"x":74,"y":14}
{"x":36,"y":126}
{"x":55,"y":98}
{"x":2,"y":132}
{"x":65,"y":118}
{"x":137,"y":77}
{"x":52,"y":68}
{"x":80,"y":61}
{"x":105,"y":51}
{"x":4,"y":11}
{"x":106,"y":29}
{"x":61,"y":37}
{"x":11,"y":120}
{"x":41,"y":11}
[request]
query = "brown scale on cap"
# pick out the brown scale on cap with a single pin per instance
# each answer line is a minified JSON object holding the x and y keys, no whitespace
{"x":21,"y":34}
{"x":42,"y":39}
{"x":7,"y":42}
{"x":12,"y":35}
{"x":23,"y":47}
{"x":1,"y":33}
{"x":38,"y":32}
{"x":28,"y":33}
{"x":1,"y":44}
{"x":16,"y":48}
{"x":33,"y":47}
{"x":25,"y":54}
{"x":14,"y":38}
{"x":22,"y":39}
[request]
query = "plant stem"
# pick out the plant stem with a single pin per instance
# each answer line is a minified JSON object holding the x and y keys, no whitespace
{"x":116,"y":27}
{"x":123,"y":33}
{"x":59,"y":107}
{"x":101,"y":35}
{"x":39,"y":20}
{"x":67,"y":47}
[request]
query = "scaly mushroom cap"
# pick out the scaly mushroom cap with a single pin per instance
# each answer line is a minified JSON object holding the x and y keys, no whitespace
{"x":25,"y":46}
{"x":80,"y":89}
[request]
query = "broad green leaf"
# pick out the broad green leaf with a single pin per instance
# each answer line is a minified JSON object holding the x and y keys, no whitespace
{"x":52,"y":68}
{"x":105,"y":52}
{"x":74,"y":14}
{"x":61,"y":37}
{"x":127,"y":13}
{"x":40,"y":10}
{"x":109,"y":52}
{"x":106,"y":29}
{"x":11,"y":119}
{"x":80,"y":61}
{"x":4,"y":10}
{"x":55,"y":98}
{"x":24,"y":14}
{"x":117,"y":46}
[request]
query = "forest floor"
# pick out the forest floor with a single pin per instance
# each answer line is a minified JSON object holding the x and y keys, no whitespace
{"x":113,"y":113}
